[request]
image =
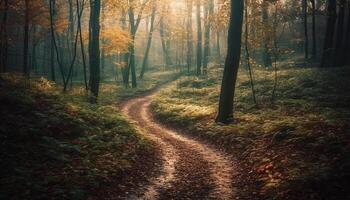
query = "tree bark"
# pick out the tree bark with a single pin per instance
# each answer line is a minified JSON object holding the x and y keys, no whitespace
{"x":328,"y":43}
{"x":94,"y":52}
{"x":209,"y":10}
{"x":314,"y":39}
{"x":199,"y":38}
{"x":265,"y":20}
{"x":306,"y":33}
{"x":225,"y":114}
{"x":339,"y":38}
{"x":4,"y":39}
{"x":149,"y":43}
{"x":26,"y":40}
{"x":189,"y":36}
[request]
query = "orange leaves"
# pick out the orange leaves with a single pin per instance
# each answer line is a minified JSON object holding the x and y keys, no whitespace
{"x":115,"y":40}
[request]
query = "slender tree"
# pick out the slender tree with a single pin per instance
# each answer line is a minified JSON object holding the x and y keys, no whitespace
{"x":209,"y":10}
{"x":266,"y":55}
{"x":339,"y":41}
{"x":4,"y":37}
{"x":94,"y":51}
{"x":26,"y":39}
{"x":149,"y":42}
{"x":225,"y":114}
{"x":189,"y":35}
{"x":330,"y":31}
{"x":199,"y":38}
{"x":314,"y":39}
{"x":306,"y":32}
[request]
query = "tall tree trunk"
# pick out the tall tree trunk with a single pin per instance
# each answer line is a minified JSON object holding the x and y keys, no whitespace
{"x":339,"y":50}
{"x":52,"y":60}
{"x":26,"y":40}
{"x":266,"y":55}
{"x":34,"y":43}
{"x":331,"y":24}
{"x":314,"y":39}
{"x":225,"y":114}
{"x":346,"y":58}
{"x":306,"y":33}
{"x":209,"y":10}
{"x":189,"y":35}
{"x":4,"y":39}
{"x":149,"y":43}
{"x":218,"y":48}
{"x":165,"y":42}
{"x":247,"y":53}
{"x":82,"y":43}
{"x":94,"y":52}
{"x":199,"y":38}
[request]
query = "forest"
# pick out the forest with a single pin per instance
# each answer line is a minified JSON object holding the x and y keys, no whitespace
{"x":175,"y":99}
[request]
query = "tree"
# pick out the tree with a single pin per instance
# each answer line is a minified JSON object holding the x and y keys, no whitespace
{"x":199,"y":38}
{"x":338,"y":51}
{"x":209,"y":10}
{"x":225,"y":114}
{"x":314,"y":39}
{"x":266,"y":39}
{"x":134,"y":24}
{"x":328,"y":41}
{"x":306,"y":33}
{"x":149,"y":42}
{"x":26,"y":39}
{"x":4,"y":38}
{"x":94,"y":50}
{"x":189,"y":35}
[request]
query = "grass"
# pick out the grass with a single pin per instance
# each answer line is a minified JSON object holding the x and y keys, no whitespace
{"x":59,"y":146}
{"x":293,"y":148}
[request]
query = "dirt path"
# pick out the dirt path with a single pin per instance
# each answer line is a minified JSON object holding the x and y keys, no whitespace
{"x":191,"y":170}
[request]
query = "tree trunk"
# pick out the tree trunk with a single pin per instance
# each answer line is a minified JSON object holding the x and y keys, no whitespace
{"x":314,"y":39}
{"x":328,"y":43}
{"x":225,"y":114}
{"x":52,"y":60}
{"x":165,"y":42}
{"x":265,"y":20}
{"x":199,"y":38}
{"x":209,"y":9}
{"x":94,"y":52}
{"x":339,"y":50}
{"x":26,"y":40}
{"x":346,"y":58}
{"x":306,"y":33}
{"x":82,"y":44}
{"x":218,"y":48}
{"x":4,"y":39}
{"x":189,"y":36}
{"x":149,"y":43}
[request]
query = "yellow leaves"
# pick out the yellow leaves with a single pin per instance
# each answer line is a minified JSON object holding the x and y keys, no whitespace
{"x":115,"y":40}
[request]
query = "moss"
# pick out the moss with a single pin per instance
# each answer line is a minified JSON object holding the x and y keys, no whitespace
{"x":309,"y":118}
{"x":59,"y":146}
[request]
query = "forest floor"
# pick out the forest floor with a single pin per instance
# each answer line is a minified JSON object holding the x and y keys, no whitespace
{"x":296,"y":147}
{"x":189,"y":169}
{"x":57,"y":145}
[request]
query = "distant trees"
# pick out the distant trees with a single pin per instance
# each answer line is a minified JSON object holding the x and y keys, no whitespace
{"x":225,"y":114}
{"x":336,"y":42}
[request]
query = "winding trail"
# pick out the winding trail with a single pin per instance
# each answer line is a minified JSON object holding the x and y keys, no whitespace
{"x":190,"y":169}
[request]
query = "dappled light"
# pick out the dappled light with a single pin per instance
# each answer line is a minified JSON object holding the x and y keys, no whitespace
{"x":165,"y":99}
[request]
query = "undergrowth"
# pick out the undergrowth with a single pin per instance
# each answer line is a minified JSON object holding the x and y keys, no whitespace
{"x":59,"y":146}
{"x":296,"y":147}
